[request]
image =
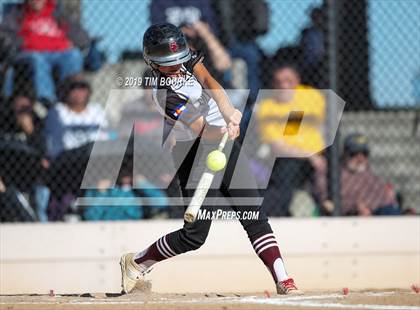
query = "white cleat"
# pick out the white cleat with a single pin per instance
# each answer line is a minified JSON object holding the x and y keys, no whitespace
{"x":131,"y":272}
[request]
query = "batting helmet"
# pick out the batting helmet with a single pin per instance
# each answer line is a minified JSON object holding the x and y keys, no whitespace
{"x":165,"y":45}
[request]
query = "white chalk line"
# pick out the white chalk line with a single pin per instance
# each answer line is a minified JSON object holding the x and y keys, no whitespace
{"x":297,"y":301}
{"x":379,"y":293}
{"x":310,"y":304}
{"x":166,"y":300}
{"x":264,"y":301}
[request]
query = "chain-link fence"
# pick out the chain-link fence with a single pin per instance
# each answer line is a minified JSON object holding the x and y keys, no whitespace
{"x":73,"y":85}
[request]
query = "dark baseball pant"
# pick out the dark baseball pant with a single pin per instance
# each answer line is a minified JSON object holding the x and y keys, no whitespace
{"x":193,"y":235}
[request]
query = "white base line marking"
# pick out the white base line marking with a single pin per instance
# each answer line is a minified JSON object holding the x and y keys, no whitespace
{"x":309,"y":304}
{"x":297,"y":301}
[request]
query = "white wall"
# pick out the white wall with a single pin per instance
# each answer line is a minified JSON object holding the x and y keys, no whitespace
{"x":319,"y":254}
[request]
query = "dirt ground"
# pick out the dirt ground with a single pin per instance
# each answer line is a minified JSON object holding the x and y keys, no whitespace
{"x":316,"y":300}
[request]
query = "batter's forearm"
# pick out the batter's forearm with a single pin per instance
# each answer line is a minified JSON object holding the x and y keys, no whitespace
{"x":219,"y":95}
{"x":212,"y":133}
{"x":216,"y":91}
{"x":209,"y":132}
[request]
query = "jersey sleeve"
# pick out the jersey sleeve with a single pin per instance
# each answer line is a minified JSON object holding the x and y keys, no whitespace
{"x":196,"y":58}
{"x":177,"y":108}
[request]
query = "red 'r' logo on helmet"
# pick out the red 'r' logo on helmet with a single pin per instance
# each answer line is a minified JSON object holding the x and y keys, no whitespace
{"x":173,"y":47}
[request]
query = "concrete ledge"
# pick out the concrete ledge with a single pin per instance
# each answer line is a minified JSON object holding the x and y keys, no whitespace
{"x":319,"y":253}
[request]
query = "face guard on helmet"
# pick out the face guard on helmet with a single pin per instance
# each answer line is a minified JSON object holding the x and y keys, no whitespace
{"x":165,"y":45}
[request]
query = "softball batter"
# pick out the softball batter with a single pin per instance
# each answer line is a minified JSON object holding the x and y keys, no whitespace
{"x":195,"y":110}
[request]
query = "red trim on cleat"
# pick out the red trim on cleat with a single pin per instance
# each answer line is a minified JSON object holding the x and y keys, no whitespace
{"x":286,"y":286}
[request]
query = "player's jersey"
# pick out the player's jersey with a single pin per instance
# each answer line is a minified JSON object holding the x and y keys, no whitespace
{"x":182,"y":100}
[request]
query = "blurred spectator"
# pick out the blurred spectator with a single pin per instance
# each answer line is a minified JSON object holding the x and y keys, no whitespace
{"x":197,"y":21}
{"x":309,"y":53}
{"x":74,"y":121}
{"x":148,"y":190}
{"x":117,"y":210}
{"x":312,"y":46}
{"x":47,"y":40}
{"x":291,"y":102}
{"x":7,"y":51}
{"x":21,"y":136}
{"x":143,"y":114}
{"x":241,"y":23}
{"x":13,"y":205}
{"x":19,"y":122}
{"x":148,"y":122}
{"x":362,"y":192}
{"x":72,"y":125}
{"x":180,"y":12}
{"x":128,"y":204}
{"x":201,"y":38}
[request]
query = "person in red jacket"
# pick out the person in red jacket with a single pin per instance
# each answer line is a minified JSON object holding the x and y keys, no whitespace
{"x":44,"y":41}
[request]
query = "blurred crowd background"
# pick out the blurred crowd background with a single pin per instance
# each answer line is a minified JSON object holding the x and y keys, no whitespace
{"x":59,"y":61}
